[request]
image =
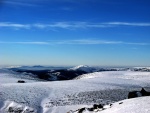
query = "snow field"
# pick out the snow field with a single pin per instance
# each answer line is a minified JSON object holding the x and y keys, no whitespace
{"x":63,"y":96}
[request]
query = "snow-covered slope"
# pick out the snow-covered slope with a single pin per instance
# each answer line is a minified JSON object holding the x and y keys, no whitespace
{"x":131,"y":75}
{"x":85,"y":68}
{"x":8,"y":76}
{"x":90,"y":69}
{"x":63,"y":96}
{"x":136,"y":105}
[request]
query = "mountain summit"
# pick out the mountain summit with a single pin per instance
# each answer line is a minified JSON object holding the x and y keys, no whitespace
{"x":85,"y":68}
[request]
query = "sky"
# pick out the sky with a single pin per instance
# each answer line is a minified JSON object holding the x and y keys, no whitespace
{"x":74,"y":32}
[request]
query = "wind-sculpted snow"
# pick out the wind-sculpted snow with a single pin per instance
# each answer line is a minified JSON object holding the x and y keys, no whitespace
{"x":63,"y":96}
{"x":12,"y":107}
{"x":120,"y":74}
{"x":90,"y":97}
{"x":136,"y":105}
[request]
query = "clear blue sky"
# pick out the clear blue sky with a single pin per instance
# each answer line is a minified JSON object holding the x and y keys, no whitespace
{"x":73,"y":32}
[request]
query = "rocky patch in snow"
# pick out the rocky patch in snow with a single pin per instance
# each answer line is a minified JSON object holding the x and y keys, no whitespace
{"x":134,"y":94}
{"x":13,"y":107}
{"x":96,"y":108}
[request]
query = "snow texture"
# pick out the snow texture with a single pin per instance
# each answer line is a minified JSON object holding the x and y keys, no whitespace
{"x":36,"y":96}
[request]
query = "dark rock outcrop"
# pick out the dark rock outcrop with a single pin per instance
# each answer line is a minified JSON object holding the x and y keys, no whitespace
{"x":21,"y":81}
{"x":81,"y":110}
{"x":135,"y":94}
{"x":95,"y":107}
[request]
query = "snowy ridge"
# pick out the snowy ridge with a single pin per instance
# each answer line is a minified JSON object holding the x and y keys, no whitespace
{"x":8,"y":76}
{"x":142,"y":67}
{"x":13,"y":67}
{"x":63,"y":96}
{"x":90,"y":69}
{"x":85,"y":68}
{"x":35,"y":67}
{"x":119,"y":74}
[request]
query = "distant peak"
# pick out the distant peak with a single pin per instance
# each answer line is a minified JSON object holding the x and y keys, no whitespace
{"x":37,"y":66}
{"x":82,"y":66}
{"x":13,"y":66}
{"x":85,"y":68}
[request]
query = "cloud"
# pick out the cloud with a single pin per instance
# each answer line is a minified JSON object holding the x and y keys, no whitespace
{"x":85,"y":42}
{"x":128,"y":24}
{"x":129,"y":43}
{"x":72,"y":25}
{"x":97,"y":42}
{"x":33,"y":43}
{"x":20,"y":3}
{"x":14,"y":25}
{"x":78,"y":42}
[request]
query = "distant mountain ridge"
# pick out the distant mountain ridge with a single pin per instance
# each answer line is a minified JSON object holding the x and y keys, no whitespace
{"x":51,"y":73}
{"x":85,"y":68}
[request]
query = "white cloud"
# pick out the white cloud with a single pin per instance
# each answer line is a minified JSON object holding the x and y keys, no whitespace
{"x":127,"y":24}
{"x":86,"y":41}
{"x":33,"y":42}
{"x":78,"y":42}
{"x":14,"y":25}
{"x":38,"y":25}
{"x":129,"y":43}
{"x":72,"y":25}
{"x":19,"y":3}
{"x":97,"y":42}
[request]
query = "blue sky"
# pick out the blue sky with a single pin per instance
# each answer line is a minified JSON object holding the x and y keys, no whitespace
{"x":74,"y":32}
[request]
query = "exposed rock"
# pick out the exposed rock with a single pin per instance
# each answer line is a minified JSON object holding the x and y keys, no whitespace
{"x":121,"y":103}
{"x":21,"y":81}
{"x":81,"y":110}
{"x":96,"y":107}
{"x":144,"y":92}
{"x":135,"y":94}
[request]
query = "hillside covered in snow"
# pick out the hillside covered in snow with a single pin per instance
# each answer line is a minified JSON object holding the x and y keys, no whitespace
{"x":50,"y":73}
{"x":101,"y":87}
